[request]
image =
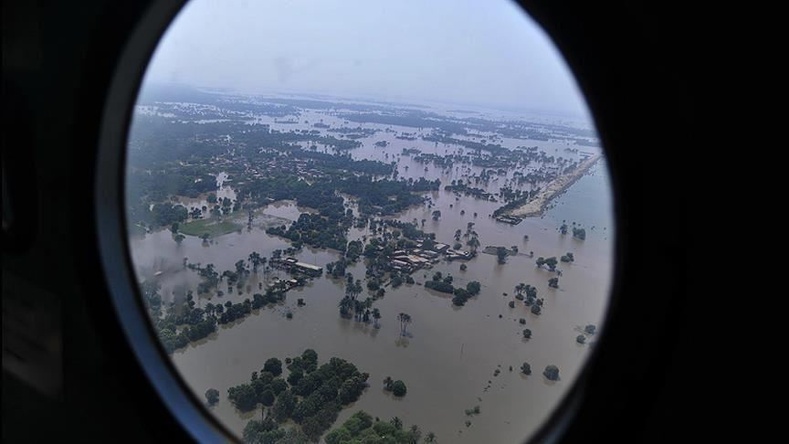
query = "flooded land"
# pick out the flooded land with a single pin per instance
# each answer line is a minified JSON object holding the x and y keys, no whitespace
{"x":317,"y":225}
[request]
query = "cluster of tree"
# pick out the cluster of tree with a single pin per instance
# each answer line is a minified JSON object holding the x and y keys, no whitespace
{"x":410,"y":230}
{"x":579,"y":233}
{"x":385,"y":197}
{"x":567,"y":257}
{"x":397,"y":388}
{"x":332,"y":164}
{"x":361,"y":428}
{"x":440,"y":285}
{"x":210,"y":276}
{"x":515,"y":203}
{"x":316,"y":230}
{"x":337,"y":269}
{"x":551,"y":262}
{"x":311,"y":397}
{"x":350,"y":306}
{"x":553,"y":282}
{"x":183,"y":323}
{"x":354,"y":250}
{"x":443,"y":162}
{"x":509,"y":194}
{"x":444,"y":284}
{"x":409,"y":118}
{"x":470,"y":144}
{"x":146,"y":187}
{"x":155,"y":141}
{"x":165,"y":214}
{"x":271,"y":297}
{"x":466,"y":190}
{"x":530,"y":299}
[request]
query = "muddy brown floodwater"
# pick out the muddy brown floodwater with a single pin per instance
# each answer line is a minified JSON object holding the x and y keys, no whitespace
{"x":450,"y":359}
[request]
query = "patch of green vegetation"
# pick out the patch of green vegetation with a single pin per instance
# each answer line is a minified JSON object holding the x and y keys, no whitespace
{"x":213,"y":227}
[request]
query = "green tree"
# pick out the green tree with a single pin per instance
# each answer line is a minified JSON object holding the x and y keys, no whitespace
{"x":376,"y":317}
{"x":274,"y":366}
{"x":256,"y":260}
{"x":397,"y":423}
{"x":551,"y":372}
{"x":404,"y":319}
{"x":398,"y":388}
{"x":212,"y":396}
{"x":284,"y":405}
{"x":267,"y":398}
{"x":337,"y":436}
{"x":501,"y":254}
{"x":473,"y":243}
{"x":243,"y":396}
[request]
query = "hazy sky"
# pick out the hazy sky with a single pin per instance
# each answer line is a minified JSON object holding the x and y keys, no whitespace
{"x":475,"y":52}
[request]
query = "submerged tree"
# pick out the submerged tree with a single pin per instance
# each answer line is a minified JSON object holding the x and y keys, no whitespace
{"x":256,"y":260}
{"x":376,"y":317}
{"x":501,"y":254}
{"x":398,"y":388}
{"x":551,"y":372}
{"x":404,"y":319}
{"x":212,"y":396}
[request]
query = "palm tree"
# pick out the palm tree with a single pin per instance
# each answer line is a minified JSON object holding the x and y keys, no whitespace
{"x":397,"y":422}
{"x":404,"y":319}
{"x":415,"y":433}
{"x":358,"y":309}
{"x":376,"y":317}
{"x":346,"y":304}
{"x":473,"y":243}
{"x":256,"y":260}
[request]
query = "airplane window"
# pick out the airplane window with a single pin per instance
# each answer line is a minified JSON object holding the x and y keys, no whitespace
{"x":368,"y":221}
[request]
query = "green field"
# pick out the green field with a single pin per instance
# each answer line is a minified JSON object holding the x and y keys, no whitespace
{"x":213,"y":227}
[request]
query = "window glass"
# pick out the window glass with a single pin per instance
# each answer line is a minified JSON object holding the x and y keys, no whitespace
{"x":366,"y":219}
